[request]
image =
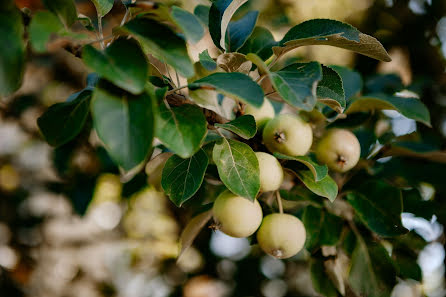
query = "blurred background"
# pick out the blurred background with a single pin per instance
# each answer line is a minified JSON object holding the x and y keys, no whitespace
{"x":69,"y":226}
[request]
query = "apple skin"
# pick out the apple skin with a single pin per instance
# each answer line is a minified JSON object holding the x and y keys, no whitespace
{"x":271,"y":172}
{"x":281,"y":235}
{"x":237,"y":216}
{"x":288,"y":134}
{"x":339,"y":149}
{"x":263,"y":114}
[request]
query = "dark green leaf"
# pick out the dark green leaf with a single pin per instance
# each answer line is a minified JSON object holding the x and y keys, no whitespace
{"x":296,"y":84}
{"x":260,"y":43}
{"x":331,"y":229}
{"x":188,"y":23}
{"x":313,"y":219}
{"x":238,"y":167}
{"x":129,"y":73}
{"x":236,"y":85}
{"x":42,"y":25}
{"x":183,"y":177}
{"x":383,"y":83}
{"x":63,"y":121}
{"x":334,"y":33}
{"x":124,"y":123}
{"x":302,"y":194}
{"x":411,"y":108}
{"x":326,"y":187}
{"x":240,"y":30}
{"x":64,"y":9}
{"x":407,"y":265}
{"x":244,"y":126}
{"x":320,"y":279}
{"x":319,"y":171}
{"x":379,"y":206}
{"x":206,"y":61}
{"x":202,"y":12}
{"x":181,"y":129}
{"x":162,"y":43}
{"x":103,"y":6}
{"x":12,"y":49}
{"x":330,"y":90}
{"x":351,"y":81}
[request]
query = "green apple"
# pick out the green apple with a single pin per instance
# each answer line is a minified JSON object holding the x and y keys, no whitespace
{"x":339,"y":149}
{"x":237,"y":216}
{"x":281,"y":235}
{"x":288,"y":134}
{"x":271,"y":172}
{"x":262,"y":114}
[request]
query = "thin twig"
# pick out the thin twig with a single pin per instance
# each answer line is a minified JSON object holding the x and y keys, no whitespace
{"x":168,"y":74}
{"x":273,"y":62}
{"x":176,"y":89}
{"x":101,"y":34}
{"x":178,"y":80}
{"x":279,"y":201}
{"x":124,"y":18}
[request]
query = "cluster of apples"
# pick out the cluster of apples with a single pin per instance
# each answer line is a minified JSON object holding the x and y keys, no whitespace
{"x":281,"y":235}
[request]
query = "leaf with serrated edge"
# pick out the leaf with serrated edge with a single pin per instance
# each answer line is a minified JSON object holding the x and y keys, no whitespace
{"x":191,"y":231}
{"x":330,"y":90}
{"x":244,"y":126}
{"x":319,"y":171}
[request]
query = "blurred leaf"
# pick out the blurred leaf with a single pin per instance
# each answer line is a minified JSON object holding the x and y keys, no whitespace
{"x":191,"y":231}
{"x":42,"y":25}
{"x":320,"y":279}
{"x":182,"y":178}
{"x":326,"y":187}
{"x":64,"y":9}
{"x":240,"y":30}
{"x":379,"y":206}
{"x":260,"y":43}
{"x":103,"y":6}
{"x":129,"y":73}
{"x":235,"y":85}
{"x":189,"y":24}
{"x":202,"y":12}
{"x":411,"y":108}
{"x":330,"y":90}
{"x":301,"y":193}
{"x":383,"y":83}
{"x":162,"y":43}
{"x":407,"y":265}
{"x":296,"y":84}
{"x":181,"y":129}
{"x":12,"y":49}
{"x":415,"y":204}
{"x":351,"y":81}
{"x":63,"y":121}
{"x":334,"y":33}
{"x":238,"y":167}
{"x":129,"y":142}
{"x":319,"y":171}
{"x":323,"y":228}
{"x":331,"y":229}
{"x":206,"y":61}
{"x":244,"y":126}
{"x":416,"y":150}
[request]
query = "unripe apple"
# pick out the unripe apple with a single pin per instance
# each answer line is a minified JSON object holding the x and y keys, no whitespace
{"x":262,"y":114}
{"x":339,"y":149}
{"x":281,"y":235}
{"x":237,"y":216}
{"x":271,"y":172}
{"x":288,"y":134}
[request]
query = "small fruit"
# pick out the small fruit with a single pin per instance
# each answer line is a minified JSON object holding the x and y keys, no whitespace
{"x":288,"y":134}
{"x":271,"y":172}
{"x":339,"y":149}
{"x":281,"y":235}
{"x":262,"y":114}
{"x":237,"y":216}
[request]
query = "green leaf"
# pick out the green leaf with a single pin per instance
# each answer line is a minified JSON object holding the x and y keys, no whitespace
{"x":181,"y":129}
{"x":260,"y":43}
{"x":124,"y":123}
{"x":326,"y":187}
{"x":103,"y":6}
{"x":42,"y":25}
{"x":320,"y":279}
{"x":183,"y":177}
{"x":206,"y":61}
{"x":236,"y":85}
{"x":238,"y":167}
{"x":351,"y":81}
{"x":411,"y":108}
{"x":202,"y":13}
{"x":123,"y":63}
{"x":296,"y":84}
{"x":331,"y":229}
{"x":162,"y":43}
{"x":220,"y":15}
{"x":64,"y":9}
{"x":191,"y":231}
{"x":63,"y":121}
{"x":188,"y":23}
{"x":319,"y":171}
{"x":407,"y":265}
{"x":12,"y":49}
{"x":379,"y":206}
{"x":240,"y":30}
{"x":244,"y":126}
{"x":334,"y":33}
{"x":372,"y":272}
{"x":330,"y":90}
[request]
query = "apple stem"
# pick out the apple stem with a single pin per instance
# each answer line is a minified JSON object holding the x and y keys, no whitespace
{"x":279,"y":202}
